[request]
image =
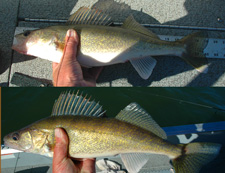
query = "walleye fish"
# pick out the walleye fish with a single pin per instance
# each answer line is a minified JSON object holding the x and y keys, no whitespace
{"x":131,"y":134}
{"x":102,"y":45}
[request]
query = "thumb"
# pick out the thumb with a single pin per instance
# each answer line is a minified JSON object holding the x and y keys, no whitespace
{"x":61,"y":163}
{"x":70,"y":49}
{"x":68,"y":69}
{"x":61,"y":146}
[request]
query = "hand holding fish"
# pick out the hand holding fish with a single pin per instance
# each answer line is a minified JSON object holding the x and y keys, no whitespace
{"x":69,"y":72}
{"x":61,"y":162}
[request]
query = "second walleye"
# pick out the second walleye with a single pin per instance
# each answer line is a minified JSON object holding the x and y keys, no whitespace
{"x":102,"y":45}
{"x":131,"y":134}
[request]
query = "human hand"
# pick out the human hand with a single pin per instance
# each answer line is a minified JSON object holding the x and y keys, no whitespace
{"x":69,"y":72}
{"x":62,"y":163}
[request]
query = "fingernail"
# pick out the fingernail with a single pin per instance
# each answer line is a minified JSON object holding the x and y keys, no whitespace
{"x":58,"y":133}
{"x":71,"y":33}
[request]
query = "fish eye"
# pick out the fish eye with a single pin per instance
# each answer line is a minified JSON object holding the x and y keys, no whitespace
{"x":15,"y":136}
{"x":26,"y":33}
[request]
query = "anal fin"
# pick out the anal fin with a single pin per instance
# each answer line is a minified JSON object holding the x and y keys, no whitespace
{"x":134,"y":161}
{"x":144,"y":66}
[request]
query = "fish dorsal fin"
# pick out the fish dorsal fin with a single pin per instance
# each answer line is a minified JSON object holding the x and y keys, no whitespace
{"x":132,"y":24}
{"x":136,"y":115}
{"x":75,"y":104}
{"x":144,"y":66}
{"x":89,"y":16}
{"x":134,"y":161}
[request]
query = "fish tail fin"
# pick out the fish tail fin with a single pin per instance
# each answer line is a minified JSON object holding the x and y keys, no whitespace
{"x":195,"y":44}
{"x":194,"y":156}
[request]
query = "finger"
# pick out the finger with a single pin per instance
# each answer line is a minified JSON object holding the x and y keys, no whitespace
{"x":70,"y":49}
{"x":68,"y":69}
{"x":85,"y":165}
{"x":96,"y":72}
{"x":54,"y":65}
{"x":61,"y":146}
{"x":88,"y":164}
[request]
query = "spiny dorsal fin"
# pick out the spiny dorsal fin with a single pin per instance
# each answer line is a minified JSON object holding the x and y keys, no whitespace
{"x":90,"y":16}
{"x":132,"y":24}
{"x":135,"y":115}
{"x":75,"y":104}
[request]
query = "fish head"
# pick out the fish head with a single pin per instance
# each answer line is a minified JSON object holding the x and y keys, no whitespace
{"x":20,"y":140}
{"x":23,"y":41}
{"x":31,"y":140}
{"x":45,"y":43}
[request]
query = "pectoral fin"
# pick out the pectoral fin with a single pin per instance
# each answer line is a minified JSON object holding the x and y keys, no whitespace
{"x":144,"y":66}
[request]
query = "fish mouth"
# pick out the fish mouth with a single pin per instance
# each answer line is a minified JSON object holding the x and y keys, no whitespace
{"x":14,"y":47}
{"x":6,"y":144}
{"x":11,"y":146}
{"x":17,"y":46}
